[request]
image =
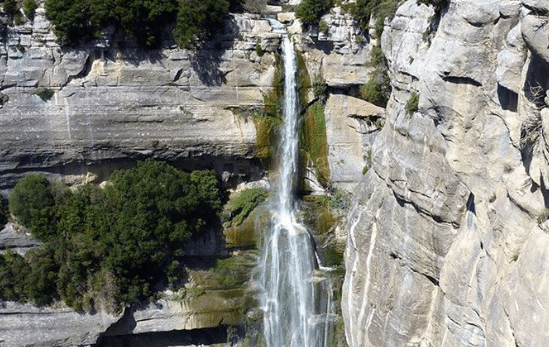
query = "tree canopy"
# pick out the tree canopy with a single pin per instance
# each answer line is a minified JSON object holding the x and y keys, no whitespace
{"x":121,"y":237}
{"x":77,"y":21}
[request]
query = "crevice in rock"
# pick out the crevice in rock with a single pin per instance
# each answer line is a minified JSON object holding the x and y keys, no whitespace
{"x":86,"y":69}
{"x":508,"y":99}
{"x":462,"y":80}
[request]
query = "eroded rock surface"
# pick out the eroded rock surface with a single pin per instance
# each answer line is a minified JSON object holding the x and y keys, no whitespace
{"x":445,"y":247}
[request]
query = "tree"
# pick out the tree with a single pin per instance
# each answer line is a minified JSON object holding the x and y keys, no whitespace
{"x":310,"y":11}
{"x":33,"y":204}
{"x":197,"y":19}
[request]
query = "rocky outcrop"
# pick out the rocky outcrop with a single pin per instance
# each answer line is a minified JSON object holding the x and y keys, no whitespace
{"x":445,"y":246}
{"x":26,"y":325}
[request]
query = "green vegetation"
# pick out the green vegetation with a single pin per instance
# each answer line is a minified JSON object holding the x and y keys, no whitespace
{"x":412,"y":103}
{"x":543,"y":216}
{"x":378,"y":88}
{"x":323,"y":27}
{"x":310,"y":11}
{"x":44,"y":93}
{"x":319,"y":86}
{"x":267,"y":122}
{"x":33,"y":203}
{"x":77,"y":21}
{"x":242,"y":205}
{"x":29,"y":8}
{"x":197,"y":18}
{"x":10,"y":7}
{"x":316,"y":141}
{"x":104,"y":247}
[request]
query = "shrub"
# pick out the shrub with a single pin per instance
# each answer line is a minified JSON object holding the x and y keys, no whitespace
{"x":196,"y":19}
{"x":362,"y":10}
{"x":29,"y":7}
{"x":378,"y":88}
{"x":10,"y":7}
{"x":412,"y":103}
{"x":44,"y":93}
{"x":108,"y":246}
{"x":310,"y":11}
{"x":33,"y":204}
{"x":77,"y":21}
{"x":323,"y":27}
{"x":319,"y":86}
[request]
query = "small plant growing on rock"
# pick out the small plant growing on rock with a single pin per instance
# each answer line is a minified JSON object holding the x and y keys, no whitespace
{"x":412,"y":104}
{"x":29,"y":8}
{"x":319,"y":86}
{"x":44,"y":93}
{"x":543,"y":216}
{"x":323,"y":27}
{"x":258,"y":50}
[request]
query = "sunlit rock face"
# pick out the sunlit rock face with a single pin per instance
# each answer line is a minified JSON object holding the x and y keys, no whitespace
{"x":112,"y":104}
{"x":445,"y":247}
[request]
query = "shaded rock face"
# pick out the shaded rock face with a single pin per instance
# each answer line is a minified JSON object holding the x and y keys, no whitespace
{"x":445,"y":247}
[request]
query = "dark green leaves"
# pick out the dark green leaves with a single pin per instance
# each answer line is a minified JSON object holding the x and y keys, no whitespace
{"x":122,"y":236}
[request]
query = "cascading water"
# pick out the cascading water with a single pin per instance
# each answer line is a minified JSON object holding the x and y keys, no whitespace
{"x":297,"y":299}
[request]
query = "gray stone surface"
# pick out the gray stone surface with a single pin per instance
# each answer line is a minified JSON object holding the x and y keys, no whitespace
{"x":444,"y":247}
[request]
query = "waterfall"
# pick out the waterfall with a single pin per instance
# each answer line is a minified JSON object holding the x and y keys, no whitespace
{"x":296,"y":300}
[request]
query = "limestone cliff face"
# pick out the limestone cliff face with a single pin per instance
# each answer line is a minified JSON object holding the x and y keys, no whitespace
{"x":445,"y":247}
{"x":113,"y":104}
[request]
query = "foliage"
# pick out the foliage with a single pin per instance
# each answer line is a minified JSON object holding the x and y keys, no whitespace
{"x":319,"y":86}
{"x":323,"y":27}
{"x":32,"y":202}
{"x":29,"y":7}
{"x":316,"y":141}
{"x":258,"y":50}
{"x":197,"y":18}
{"x":111,"y":245}
{"x":543,"y":216}
{"x":363,"y":10}
{"x":44,"y":93}
{"x":242,"y":205}
{"x":77,"y":21}
{"x":267,"y":122}
{"x":10,"y":7}
{"x":412,"y":103}
{"x":310,"y":11}
{"x":13,"y":272}
{"x":378,"y":88}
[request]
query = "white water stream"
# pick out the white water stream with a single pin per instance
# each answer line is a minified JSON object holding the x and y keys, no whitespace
{"x":297,"y":300}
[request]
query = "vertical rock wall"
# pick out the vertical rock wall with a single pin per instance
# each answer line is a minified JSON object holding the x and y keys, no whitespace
{"x":445,"y":246}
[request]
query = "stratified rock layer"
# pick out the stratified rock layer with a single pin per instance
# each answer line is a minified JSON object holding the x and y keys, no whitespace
{"x":445,"y":246}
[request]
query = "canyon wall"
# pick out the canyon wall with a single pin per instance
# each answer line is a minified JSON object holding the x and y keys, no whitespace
{"x":448,"y":242}
{"x":112,"y":104}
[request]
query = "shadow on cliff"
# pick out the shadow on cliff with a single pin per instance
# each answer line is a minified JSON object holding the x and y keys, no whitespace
{"x":207,"y":59}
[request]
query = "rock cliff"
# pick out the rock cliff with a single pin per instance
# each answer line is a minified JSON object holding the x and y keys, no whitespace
{"x":448,"y":240}
{"x":76,"y":114}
